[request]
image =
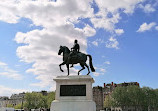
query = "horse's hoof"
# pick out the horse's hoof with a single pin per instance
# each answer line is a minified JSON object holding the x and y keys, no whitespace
{"x":88,"y":73}
{"x":62,"y":71}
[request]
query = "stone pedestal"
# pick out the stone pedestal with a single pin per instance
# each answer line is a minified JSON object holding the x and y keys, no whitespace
{"x":73,"y":93}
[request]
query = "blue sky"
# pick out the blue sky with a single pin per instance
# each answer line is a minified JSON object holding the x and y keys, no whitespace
{"x":120,"y":35}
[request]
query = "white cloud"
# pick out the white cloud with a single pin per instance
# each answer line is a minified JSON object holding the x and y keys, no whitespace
{"x":101,"y":19}
{"x":67,"y":10}
{"x":3,"y":64}
{"x":114,"y":5}
{"x":89,"y":31}
{"x":40,"y":47}
{"x":99,"y":71}
{"x":9,"y":73}
{"x":95,"y":43}
{"x":119,"y":31}
{"x":102,"y":70}
{"x":107,"y":62}
{"x":96,"y":73}
{"x":156,"y":27}
{"x":98,"y":41}
{"x":105,"y":22}
{"x":6,"y":9}
{"x":6,"y":91}
{"x":147,"y":8}
{"x":113,"y":8}
{"x":112,"y":43}
{"x":144,"y":27}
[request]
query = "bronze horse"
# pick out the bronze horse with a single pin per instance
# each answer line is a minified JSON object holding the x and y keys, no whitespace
{"x":78,"y":58}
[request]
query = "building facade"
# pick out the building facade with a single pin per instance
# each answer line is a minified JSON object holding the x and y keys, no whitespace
{"x":100,"y":93}
{"x":98,"y":97}
{"x":15,"y":99}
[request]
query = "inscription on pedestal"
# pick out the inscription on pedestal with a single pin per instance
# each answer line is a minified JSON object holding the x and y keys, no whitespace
{"x":72,"y":90}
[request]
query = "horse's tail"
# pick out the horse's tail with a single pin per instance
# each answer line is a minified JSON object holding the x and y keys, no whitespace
{"x":90,"y":63}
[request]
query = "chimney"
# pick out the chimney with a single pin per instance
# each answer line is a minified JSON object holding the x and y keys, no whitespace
{"x":104,"y":85}
{"x":112,"y":83}
{"x":137,"y":84}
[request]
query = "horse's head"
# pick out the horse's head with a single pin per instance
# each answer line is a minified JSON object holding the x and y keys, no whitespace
{"x":61,"y":49}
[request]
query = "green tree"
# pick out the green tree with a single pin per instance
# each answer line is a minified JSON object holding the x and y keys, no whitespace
{"x":107,"y":101}
{"x":127,"y":96}
{"x":120,"y":97}
{"x":10,"y":106}
{"x":50,"y":98}
{"x":156,"y":99}
{"x":136,"y":95}
{"x":150,"y":100}
{"x":18,"y":106}
{"x":35,"y":100}
{"x":141,"y":98}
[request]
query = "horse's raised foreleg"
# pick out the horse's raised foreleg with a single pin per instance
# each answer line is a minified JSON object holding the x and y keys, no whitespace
{"x":81,"y":69}
{"x":61,"y":65}
{"x":67,"y":65}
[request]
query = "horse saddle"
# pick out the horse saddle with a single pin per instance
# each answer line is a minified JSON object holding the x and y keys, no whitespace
{"x":74,"y":57}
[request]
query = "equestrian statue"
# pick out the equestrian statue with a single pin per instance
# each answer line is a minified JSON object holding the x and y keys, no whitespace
{"x":75,"y":56}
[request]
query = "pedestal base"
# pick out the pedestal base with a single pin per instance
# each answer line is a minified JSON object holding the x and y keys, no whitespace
{"x":78,"y":105}
{"x":73,"y":93}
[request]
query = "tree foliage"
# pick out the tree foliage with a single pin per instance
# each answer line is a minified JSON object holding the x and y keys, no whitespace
{"x":50,"y":98}
{"x":144,"y":98}
{"x":37,"y":100}
{"x":107,"y":102}
{"x":18,"y":106}
{"x":9,"y":106}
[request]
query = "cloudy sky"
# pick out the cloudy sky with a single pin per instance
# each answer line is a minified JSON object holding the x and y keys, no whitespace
{"x":121,"y":36}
